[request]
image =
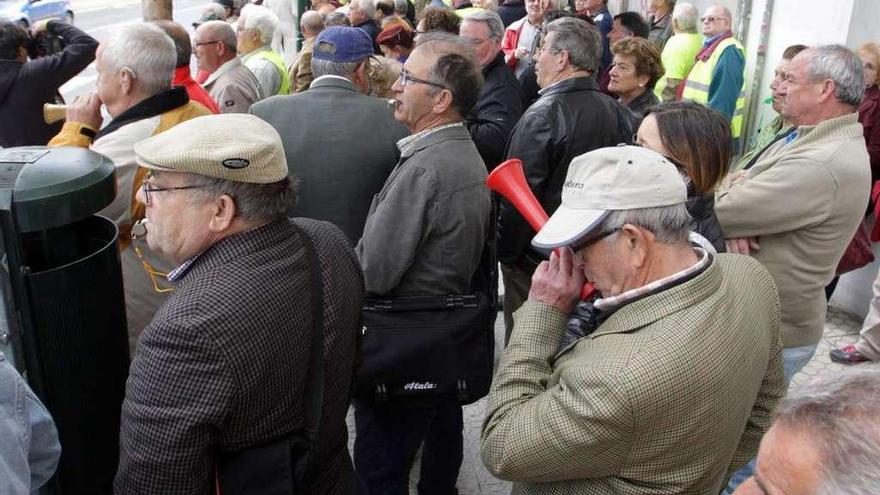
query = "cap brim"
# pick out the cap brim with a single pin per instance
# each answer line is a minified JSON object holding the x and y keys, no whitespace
{"x":566,"y":226}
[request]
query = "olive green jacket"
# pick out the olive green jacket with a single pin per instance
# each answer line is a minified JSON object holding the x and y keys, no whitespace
{"x":669,"y":395}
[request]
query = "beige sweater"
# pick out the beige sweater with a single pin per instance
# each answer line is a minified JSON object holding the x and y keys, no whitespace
{"x":804,"y":200}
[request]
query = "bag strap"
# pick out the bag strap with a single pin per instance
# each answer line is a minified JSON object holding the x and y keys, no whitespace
{"x":315,"y":382}
{"x":781,"y":135}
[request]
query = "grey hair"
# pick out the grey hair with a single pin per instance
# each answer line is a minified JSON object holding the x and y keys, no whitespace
{"x":331,"y":68}
{"x":262,"y":19}
{"x":669,"y":224}
{"x":491,"y":19}
{"x":222,"y":32}
{"x":686,"y":16}
{"x":839,"y":64}
{"x":146,"y":51}
{"x":336,"y":19}
{"x":312,"y":20}
{"x":368,"y":6}
{"x":253,"y":202}
{"x":401,"y":7}
{"x":840,"y":413}
{"x":216,"y":9}
{"x":580,"y":39}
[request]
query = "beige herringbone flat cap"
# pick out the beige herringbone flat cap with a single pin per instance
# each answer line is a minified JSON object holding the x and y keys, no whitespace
{"x":237,"y":147}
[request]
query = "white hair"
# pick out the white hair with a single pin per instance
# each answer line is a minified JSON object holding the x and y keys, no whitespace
{"x":216,"y":9}
{"x":839,"y":412}
{"x":368,"y":6}
{"x":491,"y":19}
{"x":146,"y":51}
{"x":260,"y":18}
{"x":685,"y":15}
{"x":841,"y":65}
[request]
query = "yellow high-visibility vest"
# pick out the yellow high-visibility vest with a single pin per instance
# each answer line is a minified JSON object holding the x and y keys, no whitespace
{"x":278,"y":62}
{"x":696,"y":87}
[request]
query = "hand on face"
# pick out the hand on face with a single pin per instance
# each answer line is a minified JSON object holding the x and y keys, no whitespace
{"x":86,"y":109}
{"x":558,"y":282}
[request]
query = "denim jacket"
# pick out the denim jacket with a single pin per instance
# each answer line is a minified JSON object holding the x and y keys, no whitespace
{"x":29,"y":448}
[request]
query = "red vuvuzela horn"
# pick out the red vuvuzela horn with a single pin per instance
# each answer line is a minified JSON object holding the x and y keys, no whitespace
{"x":509,"y":180}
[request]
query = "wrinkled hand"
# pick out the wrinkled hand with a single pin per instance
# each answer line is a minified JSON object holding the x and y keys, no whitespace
{"x":558,"y":282}
{"x":735,"y":177}
{"x":744,"y":245}
{"x":520,"y":53}
{"x":86,"y":109}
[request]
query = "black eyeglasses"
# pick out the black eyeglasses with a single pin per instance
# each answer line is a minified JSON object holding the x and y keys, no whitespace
{"x":406,"y":78}
{"x":203,"y":43}
{"x":594,"y":239}
{"x":145,"y":186}
{"x":711,"y":18}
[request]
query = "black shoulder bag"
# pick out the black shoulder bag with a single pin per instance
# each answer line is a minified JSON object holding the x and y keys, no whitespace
{"x":281,"y":466}
{"x":421,"y":347}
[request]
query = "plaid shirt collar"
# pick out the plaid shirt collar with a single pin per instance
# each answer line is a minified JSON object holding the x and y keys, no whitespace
{"x":614,"y":303}
{"x":408,"y":144}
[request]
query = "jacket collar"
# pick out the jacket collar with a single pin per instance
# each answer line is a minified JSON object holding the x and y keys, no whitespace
{"x":166,"y":101}
{"x":498,"y":60}
{"x":182,"y":77}
{"x":583,"y":83}
{"x":659,"y":305}
{"x":223,"y":69}
{"x":710,"y":44}
{"x":454,"y":132}
{"x":333,"y":82}
{"x":234,"y":248}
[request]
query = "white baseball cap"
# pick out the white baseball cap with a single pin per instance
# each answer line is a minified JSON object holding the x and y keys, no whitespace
{"x":610,"y":179}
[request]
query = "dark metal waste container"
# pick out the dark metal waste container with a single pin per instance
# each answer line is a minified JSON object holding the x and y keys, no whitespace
{"x":64,"y":306}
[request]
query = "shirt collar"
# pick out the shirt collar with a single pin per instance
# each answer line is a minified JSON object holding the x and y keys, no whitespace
{"x":624,"y":298}
{"x":180,"y":271}
{"x":407,"y":145}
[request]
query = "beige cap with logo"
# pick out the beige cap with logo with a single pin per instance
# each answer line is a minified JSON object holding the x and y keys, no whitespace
{"x":233,"y":146}
{"x":610,"y":179}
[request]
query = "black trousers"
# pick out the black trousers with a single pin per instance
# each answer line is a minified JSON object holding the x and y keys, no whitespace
{"x":388,"y":437}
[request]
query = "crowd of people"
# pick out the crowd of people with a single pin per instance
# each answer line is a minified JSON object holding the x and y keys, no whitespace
{"x":264,"y":199}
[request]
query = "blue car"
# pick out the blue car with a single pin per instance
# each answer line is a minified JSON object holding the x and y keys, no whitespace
{"x":27,"y":12}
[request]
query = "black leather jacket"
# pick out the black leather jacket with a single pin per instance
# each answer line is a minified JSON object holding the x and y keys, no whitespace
{"x":497,"y":111}
{"x":570,"y":118}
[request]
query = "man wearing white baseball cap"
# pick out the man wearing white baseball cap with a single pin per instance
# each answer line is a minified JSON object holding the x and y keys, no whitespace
{"x":674,"y":388}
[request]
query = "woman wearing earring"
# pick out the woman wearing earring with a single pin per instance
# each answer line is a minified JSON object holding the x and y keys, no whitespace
{"x":635,"y":69}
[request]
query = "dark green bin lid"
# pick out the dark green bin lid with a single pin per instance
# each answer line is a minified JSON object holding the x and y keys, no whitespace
{"x":55,"y":186}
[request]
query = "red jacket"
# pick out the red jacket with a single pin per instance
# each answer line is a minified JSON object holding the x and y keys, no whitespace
{"x":196,"y":93}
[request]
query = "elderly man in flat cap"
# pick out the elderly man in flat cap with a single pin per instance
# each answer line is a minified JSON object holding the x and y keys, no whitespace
{"x":255,"y":346}
{"x":673,"y":389}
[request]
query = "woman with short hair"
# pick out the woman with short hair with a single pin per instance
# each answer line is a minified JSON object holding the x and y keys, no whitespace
{"x":697,"y":139}
{"x":634,"y":71}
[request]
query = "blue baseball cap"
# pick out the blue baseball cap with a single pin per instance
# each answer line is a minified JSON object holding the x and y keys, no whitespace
{"x":342,"y":44}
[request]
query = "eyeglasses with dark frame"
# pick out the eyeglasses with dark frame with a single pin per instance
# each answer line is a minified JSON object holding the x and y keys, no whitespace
{"x":406,"y":78}
{"x":147,"y":189}
{"x":594,"y":239}
{"x":711,"y":18}
{"x":203,"y":43}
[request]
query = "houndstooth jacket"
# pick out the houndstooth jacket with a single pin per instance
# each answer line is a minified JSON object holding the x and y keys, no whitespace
{"x":670,"y":394}
{"x":223,"y":363}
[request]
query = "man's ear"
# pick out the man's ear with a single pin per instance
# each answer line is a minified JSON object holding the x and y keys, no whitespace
{"x":637,"y":243}
{"x":442,"y":101}
{"x":223,"y":213}
{"x":126,"y":79}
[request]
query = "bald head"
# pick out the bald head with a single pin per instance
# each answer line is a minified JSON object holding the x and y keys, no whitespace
{"x":311,"y":23}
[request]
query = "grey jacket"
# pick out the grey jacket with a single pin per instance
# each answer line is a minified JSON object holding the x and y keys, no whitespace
{"x":339,"y":167}
{"x":426,"y":227}
{"x":29,"y":448}
{"x":234,"y":87}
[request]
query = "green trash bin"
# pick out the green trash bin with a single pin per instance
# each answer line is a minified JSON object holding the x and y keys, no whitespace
{"x":64,"y":304}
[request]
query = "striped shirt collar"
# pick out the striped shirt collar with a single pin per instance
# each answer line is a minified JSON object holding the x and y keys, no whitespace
{"x":408,"y":144}
{"x":615,"y":302}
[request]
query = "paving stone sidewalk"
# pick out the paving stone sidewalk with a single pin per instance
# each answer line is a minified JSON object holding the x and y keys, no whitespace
{"x":840,"y":328}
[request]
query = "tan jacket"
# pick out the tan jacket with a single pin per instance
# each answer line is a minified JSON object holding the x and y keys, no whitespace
{"x":670,"y":394}
{"x":301,"y":69}
{"x":234,"y":87}
{"x":804,"y":200}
